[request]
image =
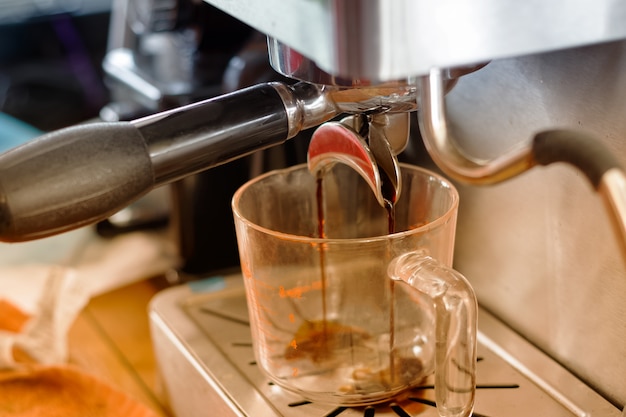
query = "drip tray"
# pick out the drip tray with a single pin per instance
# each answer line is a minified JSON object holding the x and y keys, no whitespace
{"x":203,"y":347}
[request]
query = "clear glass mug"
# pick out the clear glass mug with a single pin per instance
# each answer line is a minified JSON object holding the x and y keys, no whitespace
{"x":359,"y":315}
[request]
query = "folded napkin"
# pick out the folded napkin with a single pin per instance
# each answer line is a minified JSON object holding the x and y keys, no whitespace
{"x":51,"y":295}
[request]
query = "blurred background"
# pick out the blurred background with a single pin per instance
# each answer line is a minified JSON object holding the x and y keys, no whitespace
{"x":50,"y":64}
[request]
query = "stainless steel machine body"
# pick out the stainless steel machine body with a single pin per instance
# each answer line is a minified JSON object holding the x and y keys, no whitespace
{"x":381,"y":40}
{"x":539,"y":248}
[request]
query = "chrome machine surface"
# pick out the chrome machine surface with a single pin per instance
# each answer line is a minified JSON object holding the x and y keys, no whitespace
{"x":393,"y":39}
{"x":556,"y":272}
{"x":203,"y":345}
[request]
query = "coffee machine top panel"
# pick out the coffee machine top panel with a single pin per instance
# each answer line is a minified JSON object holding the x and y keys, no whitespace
{"x":382,"y":40}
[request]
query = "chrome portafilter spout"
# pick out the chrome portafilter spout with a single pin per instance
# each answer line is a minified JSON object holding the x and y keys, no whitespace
{"x":369,"y":144}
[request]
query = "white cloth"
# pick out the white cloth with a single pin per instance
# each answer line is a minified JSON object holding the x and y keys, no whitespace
{"x":54,"y":294}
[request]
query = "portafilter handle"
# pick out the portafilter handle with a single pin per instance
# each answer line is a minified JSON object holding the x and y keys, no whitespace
{"x":83,"y":174}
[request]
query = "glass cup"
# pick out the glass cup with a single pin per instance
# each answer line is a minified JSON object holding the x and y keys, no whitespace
{"x":344,"y":312}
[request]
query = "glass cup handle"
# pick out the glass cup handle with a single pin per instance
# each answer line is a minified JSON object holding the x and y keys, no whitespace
{"x":455,"y":328}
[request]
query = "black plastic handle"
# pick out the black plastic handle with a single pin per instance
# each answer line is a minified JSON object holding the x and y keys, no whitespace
{"x":70,"y":178}
{"x":202,"y":135}
{"x":576,"y":148}
{"x":83,"y":174}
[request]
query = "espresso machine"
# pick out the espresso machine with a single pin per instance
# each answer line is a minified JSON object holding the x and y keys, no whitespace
{"x":496,"y":89}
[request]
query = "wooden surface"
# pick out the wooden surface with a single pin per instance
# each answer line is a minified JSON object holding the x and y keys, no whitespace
{"x":110,"y":339}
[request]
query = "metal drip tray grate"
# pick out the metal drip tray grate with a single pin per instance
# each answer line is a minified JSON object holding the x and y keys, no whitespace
{"x":203,"y":346}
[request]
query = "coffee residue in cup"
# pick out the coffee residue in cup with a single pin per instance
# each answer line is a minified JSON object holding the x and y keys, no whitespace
{"x":318,"y":339}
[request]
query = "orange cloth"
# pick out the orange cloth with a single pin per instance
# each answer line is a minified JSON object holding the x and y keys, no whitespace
{"x":57,"y":391}
{"x":11,"y":318}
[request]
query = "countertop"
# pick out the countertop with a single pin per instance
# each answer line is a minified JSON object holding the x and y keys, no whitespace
{"x":110,"y":339}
